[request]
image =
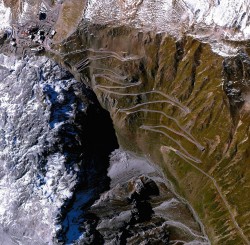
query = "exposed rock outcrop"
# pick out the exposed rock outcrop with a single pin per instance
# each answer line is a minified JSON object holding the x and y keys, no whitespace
{"x":183,"y":106}
{"x":177,"y":90}
{"x":140,"y":208}
{"x":49,"y":150}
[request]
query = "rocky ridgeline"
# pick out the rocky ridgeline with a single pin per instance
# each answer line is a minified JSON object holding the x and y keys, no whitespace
{"x":176,"y":95}
{"x":139,"y":208}
{"x":49,"y":148}
{"x":180,"y":104}
{"x":55,"y":146}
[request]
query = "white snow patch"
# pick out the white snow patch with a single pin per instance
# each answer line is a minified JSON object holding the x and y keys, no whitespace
{"x":177,"y":17}
{"x":33,"y":185}
{"x":123,"y":166}
{"x":5,"y":16}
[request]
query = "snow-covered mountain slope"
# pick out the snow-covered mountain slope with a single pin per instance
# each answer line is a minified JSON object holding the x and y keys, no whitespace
{"x":39,"y":169}
{"x":161,"y":14}
{"x":215,"y":22}
{"x":5,"y":16}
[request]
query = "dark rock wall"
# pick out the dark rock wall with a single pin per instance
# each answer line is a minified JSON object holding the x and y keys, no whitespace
{"x":55,"y":142}
{"x":140,"y":207}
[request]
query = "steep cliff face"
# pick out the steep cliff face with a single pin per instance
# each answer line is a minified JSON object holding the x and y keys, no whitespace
{"x":157,"y":68}
{"x":49,"y":146}
{"x":38,"y":104}
{"x":140,"y":207}
{"x":55,"y":146}
{"x":184,"y":107}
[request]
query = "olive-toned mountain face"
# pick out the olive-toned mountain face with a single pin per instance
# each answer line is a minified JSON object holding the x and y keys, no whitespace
{"x":174,"y":98}
{"x":184,"y":107}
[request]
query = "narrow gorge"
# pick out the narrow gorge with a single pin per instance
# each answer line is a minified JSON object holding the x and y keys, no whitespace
{"x":125,"y":122}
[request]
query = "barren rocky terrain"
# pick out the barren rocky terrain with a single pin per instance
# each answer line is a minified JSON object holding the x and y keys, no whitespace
{"x":173,"y":79}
